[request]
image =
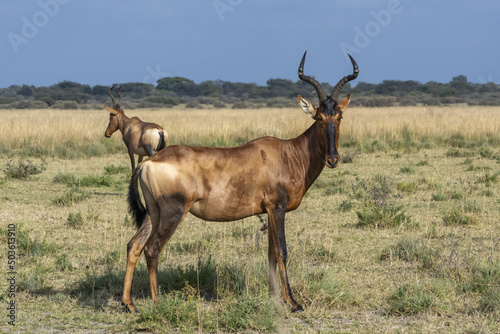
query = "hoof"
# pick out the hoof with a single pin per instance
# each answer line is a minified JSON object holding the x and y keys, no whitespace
{"x":130,"y":307}
{"x":298,"y":309}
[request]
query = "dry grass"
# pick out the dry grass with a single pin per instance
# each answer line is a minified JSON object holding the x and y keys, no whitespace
{"x":435,"y":272}
{"x":46,"y":131}
{"x":388,"y":124}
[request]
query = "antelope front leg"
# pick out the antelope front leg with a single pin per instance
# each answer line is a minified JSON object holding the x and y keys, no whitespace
{"x":273,"y":279}
{"x":134,"y":249}
{"x":276,"y":232}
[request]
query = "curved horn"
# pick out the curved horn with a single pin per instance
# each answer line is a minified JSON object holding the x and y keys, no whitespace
{"x":111,"y":96}
{"x":312,"y":81}
{"x":344,"y":80}
{"x":119,"y":95}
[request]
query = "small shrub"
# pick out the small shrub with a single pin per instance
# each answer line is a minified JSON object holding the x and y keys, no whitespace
{"x":23,"y":169}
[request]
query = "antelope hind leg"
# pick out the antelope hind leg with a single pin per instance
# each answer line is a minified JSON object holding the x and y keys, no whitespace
{"x":134,"y":249}
{"x":172,"y":213}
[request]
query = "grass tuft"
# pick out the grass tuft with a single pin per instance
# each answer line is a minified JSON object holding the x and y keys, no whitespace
{"x":113,"y":170}
{"x":457,"y":216}
{"x":75,"y":220}
{"x":406,"y":187}
{"x":74,"y":195}
{"x":65,"y":178}
{"x":63,"y":263}
{"x":22,"y":169}
{"x":381,"y":216}
{"x":410,"y":299}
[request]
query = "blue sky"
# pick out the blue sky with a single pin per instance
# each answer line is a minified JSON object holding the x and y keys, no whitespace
{"x":115,"y":41}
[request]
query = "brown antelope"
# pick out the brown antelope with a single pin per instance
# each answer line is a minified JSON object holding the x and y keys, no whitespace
{"x":266,"y":175}
{"x":140,"y":137}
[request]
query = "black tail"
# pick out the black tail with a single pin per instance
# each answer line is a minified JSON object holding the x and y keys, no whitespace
{"x":135,"y":206}
{"x":162,"y":143}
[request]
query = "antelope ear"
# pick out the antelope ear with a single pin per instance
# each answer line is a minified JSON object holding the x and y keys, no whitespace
{"x":345,"y":103}
{"x":110,"y":110}
{"x":307,"y":106}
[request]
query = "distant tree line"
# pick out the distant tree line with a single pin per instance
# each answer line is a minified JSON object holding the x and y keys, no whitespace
{"x":172,"y":91}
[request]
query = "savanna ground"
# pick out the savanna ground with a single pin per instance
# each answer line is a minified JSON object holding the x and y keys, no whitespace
{"x":402,"y":237}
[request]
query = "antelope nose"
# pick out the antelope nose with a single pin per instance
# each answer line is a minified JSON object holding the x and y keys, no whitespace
{"x":332,"y":163}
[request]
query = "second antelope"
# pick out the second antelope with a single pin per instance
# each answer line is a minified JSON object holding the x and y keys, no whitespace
{"x":141,"y":138}
{"x":266,"y":175}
